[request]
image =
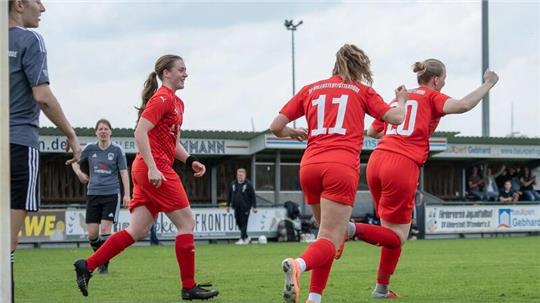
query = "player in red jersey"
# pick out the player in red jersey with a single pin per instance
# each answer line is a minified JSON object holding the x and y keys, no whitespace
{"x":156,"y":186}
{"x":404,"y":148}
{"x":334,"y":109}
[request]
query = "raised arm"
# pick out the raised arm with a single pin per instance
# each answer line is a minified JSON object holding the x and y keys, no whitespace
{"x":465,"y":104}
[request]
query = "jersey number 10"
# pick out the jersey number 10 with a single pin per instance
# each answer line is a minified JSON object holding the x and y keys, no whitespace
{"x":411,"y":107}
{"x":338,"y":128}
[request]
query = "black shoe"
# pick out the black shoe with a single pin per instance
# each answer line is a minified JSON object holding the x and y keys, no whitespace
{"x":83,"y":276}
{"x":199,"y":293}
{"x":103,"y":269}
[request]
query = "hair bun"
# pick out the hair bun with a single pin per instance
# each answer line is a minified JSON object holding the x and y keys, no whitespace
{"x":419,"y":67}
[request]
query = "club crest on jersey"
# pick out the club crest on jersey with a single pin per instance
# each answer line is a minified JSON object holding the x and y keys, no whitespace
{"x":110,"y":156}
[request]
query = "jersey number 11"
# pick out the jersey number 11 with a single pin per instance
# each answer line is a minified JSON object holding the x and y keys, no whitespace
{"x":338,"y":128}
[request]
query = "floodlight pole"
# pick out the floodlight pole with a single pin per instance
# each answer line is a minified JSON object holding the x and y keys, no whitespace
{"x":5,"y":205}
{"x":485,"y":65}
{"x":289,"y":24}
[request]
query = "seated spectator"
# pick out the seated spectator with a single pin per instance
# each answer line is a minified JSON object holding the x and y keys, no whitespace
{"x":527,"y":186}
{"x":476,"y":184}
{"x":491,"y":190}
{"x":507,"y":194}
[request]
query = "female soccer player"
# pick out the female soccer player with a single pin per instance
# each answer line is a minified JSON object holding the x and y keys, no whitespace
{"x":156,"y":186}
{"x":103,"y":161}
{"x":404,"y":148}
{"x":334,"y":109}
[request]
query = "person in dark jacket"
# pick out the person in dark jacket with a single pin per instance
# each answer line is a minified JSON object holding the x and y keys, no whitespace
{"x":242,"y":199}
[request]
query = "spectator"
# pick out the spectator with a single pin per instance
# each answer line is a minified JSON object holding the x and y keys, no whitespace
{"x":491,"y":190}
{"x":242,"y":198}
{"x":507,"y":194}
{"x":476,"y":184}
{"x":513,"y":176}
{"x":527,"y":182}
{"x":502,"y":178}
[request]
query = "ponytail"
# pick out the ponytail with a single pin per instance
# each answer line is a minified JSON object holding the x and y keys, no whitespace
{"x":150,"y":88}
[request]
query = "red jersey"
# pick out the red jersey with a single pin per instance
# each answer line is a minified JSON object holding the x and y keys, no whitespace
{"x":335,"y":112}
{"x":165,"y":110}
{"x":424,"y":109}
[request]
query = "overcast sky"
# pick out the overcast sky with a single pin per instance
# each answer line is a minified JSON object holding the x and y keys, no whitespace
{"x":238,"y":55}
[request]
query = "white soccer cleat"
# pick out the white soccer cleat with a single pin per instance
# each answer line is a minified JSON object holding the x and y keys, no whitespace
{"x":291,"y":289}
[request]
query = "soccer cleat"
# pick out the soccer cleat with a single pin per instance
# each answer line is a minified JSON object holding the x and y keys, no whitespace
{"x":389,"y":295}
{"x":199,"y":293}
{"x":291,"y":288}
{"x":83,"y":276}
{"x":103,"y":269}
{"x":239,"y":242}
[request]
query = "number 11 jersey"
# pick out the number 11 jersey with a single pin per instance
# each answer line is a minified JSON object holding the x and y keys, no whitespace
{"x":335,"y":113}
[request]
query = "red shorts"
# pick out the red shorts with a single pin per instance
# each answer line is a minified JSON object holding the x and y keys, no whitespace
{"x":332,"y":181}
{"x":169,"y":197}
{"x":392,"y":179}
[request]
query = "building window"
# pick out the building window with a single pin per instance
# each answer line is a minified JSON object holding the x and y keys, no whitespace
{"x":290,"y":179}
{"x":265,"y":173}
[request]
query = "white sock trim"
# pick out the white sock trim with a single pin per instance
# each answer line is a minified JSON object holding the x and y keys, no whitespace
{"x":351,"y":230}
{"x":315,"y":297}
{"x":301,"y":264}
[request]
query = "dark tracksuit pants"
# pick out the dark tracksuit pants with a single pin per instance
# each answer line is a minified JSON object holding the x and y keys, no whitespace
{"x":241,"y":216}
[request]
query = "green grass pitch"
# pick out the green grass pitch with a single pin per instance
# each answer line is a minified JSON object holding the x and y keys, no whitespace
{"x":466,"y":270}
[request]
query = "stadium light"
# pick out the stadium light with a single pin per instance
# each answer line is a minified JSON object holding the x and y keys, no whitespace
{"x":5,"y":205}
{"x":289,"y":24}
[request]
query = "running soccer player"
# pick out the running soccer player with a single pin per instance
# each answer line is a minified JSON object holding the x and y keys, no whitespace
{"x":404,"y":147}
{"x":334,"y":109}
{"x":156,"y":186}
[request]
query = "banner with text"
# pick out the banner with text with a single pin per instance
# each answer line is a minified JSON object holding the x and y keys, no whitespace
{"x":490,"y":151}
{"x":57,"y":144}
{"x":482,"y":219}
{"x":210,"y":223}
{"x":43,"y":226}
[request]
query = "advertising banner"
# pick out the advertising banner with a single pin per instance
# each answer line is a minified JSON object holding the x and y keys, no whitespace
{"x":210,"y":223}
{"x":482,"y":219}
{"x":57,"y":144}
{"x":43,"y":226}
